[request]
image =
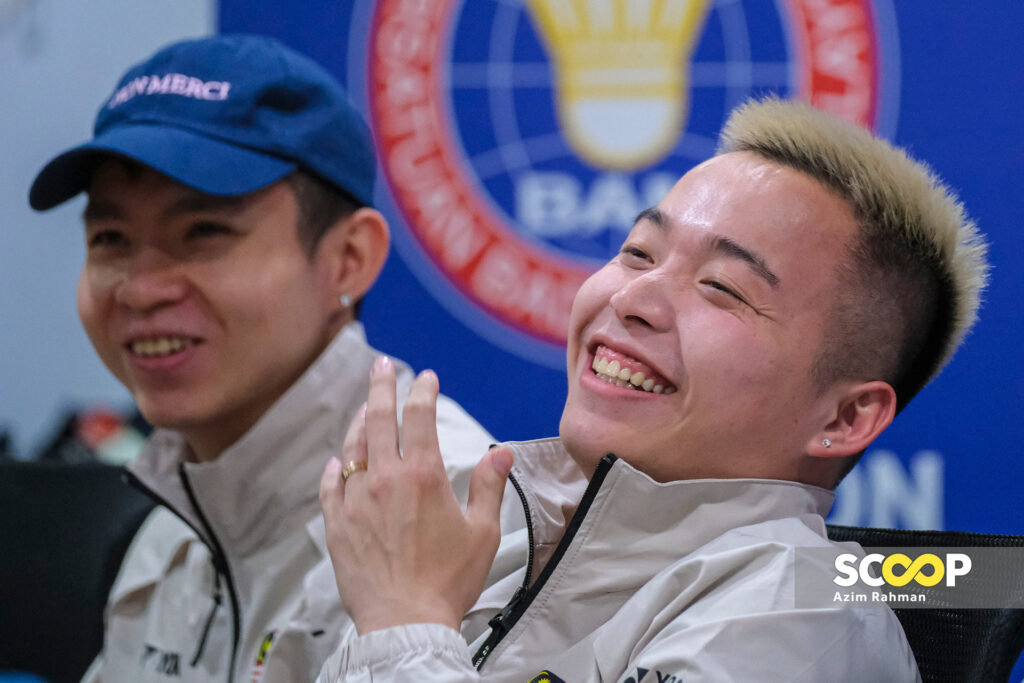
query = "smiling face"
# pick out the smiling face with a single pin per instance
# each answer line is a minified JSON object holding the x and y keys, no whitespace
{"x":721,"y":296}
{"x":206,"y":308}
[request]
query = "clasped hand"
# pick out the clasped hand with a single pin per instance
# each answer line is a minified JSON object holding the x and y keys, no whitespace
{"x":402,"y":548}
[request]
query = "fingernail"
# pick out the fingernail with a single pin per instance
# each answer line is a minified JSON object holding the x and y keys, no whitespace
{"x":333,"y":466}
{"x":381,"y":364}
{"x":501,"y":461}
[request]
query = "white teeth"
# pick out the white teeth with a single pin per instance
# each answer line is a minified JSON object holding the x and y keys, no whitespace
{"x":615,"y":373}
{"x":161,"y":346}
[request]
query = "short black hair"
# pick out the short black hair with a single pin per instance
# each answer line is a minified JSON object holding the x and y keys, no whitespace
{"x":321,"y":205}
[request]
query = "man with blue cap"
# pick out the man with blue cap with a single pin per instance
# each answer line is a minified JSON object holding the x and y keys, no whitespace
{"x":230,"y":237}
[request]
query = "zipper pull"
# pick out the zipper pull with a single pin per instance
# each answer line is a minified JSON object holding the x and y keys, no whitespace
{"x":218,"y":598}
{"x":497,"y":622}
{"x":499,"y":627}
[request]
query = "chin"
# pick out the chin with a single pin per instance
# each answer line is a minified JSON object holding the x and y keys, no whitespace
{"x":585,"y":448}
{"x":164,"y":417}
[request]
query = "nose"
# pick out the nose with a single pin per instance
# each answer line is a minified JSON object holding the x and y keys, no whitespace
{"x":643,"y":301}
{"x":150,"y":280}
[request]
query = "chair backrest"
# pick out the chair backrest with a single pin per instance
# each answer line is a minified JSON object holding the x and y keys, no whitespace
{"x":954,"y":645}
{"x":64,"y":530}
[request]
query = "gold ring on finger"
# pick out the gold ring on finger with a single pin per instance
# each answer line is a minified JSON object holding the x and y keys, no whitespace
{"x":351,"y":468}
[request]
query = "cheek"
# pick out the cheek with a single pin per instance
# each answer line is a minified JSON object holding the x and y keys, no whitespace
{"x":87,"y":299}
{"x":727,"y":351}
{"x":94,"y":311}
{"x":284,"y":302}
{"x":593,"y":295}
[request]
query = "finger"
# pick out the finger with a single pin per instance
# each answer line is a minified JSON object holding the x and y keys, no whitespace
{"x":486,"y":489}
{"x":332,"y":493}
{"x":382,"y":415}
{"x":353,"y":449}
{"x":419,"y":422}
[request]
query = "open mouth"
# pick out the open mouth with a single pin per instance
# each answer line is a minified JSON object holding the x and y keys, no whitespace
{"x":158,"y":347}
{"x":624,"y":371}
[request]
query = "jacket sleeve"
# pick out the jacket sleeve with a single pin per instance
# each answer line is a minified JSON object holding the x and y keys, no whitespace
{"x":92,"y":674}
{"x":412,"y":653}
{"x":791,"y":646}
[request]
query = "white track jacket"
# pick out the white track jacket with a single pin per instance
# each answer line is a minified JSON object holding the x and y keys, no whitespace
{"x":634,"y":581}
{"x":230,"y":579}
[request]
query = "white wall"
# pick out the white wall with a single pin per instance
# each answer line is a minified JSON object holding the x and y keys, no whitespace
{"x":59,"y":59}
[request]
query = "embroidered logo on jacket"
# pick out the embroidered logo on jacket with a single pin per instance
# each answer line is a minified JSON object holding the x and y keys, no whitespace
{"x":161,"y":661}
{"x":263,"y":655}
{"x":546,"y":677}
{"x":641,"y":675}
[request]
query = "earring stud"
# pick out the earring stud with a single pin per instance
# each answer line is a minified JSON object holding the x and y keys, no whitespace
{"x":346,"y":300}
{"x":827,"y":443}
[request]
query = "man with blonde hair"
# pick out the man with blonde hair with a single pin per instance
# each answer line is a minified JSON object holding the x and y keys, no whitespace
{"x":760,"y":327}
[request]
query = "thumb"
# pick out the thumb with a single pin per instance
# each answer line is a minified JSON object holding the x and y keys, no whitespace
{"x":487,"y":487}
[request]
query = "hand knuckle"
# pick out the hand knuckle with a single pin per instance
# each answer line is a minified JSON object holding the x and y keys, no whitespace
{"x":379,"y":412}
{"x":417,"y":406}
{"x":379,"y":488}
{"x":491,"y":530}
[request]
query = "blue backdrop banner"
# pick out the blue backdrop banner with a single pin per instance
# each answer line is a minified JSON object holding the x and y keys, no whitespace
{"x":513,"y":161}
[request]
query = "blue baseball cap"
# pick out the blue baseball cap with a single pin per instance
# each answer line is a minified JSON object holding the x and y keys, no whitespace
{"x":226,"y":115}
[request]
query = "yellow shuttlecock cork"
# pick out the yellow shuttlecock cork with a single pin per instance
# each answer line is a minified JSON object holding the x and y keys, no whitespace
{"x":621,"y":73}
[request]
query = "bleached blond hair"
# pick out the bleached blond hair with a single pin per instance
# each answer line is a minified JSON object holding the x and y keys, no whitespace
{"x":918,"y":268}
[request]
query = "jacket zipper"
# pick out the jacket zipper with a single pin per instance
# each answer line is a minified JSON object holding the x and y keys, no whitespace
{"x":217,"y":556}
{"x":217,"y":600}
{"x":506,"y":619}
{"x":220,"y":563}
{"x":497,"y":622}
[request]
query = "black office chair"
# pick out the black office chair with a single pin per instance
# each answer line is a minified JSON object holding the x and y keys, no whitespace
{"x":64,"y":530}
{"x":954,"y":645}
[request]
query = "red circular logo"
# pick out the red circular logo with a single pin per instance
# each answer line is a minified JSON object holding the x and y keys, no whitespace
{"x":834,"y":65}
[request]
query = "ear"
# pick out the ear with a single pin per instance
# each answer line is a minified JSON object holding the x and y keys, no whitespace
{"x":861,"y":411}
{"x":352,"y":253}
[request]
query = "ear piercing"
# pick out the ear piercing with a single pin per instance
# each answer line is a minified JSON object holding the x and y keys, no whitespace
{"x":346,"y":300}
{"x":827,"y":443}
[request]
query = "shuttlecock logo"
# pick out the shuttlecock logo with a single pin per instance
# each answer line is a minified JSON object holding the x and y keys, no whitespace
{"x":621,"y":72}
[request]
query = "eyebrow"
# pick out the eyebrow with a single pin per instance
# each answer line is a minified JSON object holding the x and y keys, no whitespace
{"x":726,"y":247}
{"x":719,"y":245}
